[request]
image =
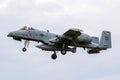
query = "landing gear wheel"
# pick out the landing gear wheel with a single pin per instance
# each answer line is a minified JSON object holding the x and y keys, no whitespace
{"x":63,"y":52}
{"x":54,"y":56}
{"x":24,"y":49}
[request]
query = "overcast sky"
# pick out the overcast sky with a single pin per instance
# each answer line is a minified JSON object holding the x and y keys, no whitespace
{"x":92,"y":16}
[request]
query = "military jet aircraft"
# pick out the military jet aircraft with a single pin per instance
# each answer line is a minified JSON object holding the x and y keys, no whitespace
{"x":68,"y":41}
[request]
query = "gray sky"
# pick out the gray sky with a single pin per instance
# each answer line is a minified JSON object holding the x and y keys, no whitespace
{"x":58,"y":16}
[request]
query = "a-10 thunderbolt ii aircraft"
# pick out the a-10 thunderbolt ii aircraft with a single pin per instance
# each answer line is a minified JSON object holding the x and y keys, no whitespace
{"x":72,"y":38}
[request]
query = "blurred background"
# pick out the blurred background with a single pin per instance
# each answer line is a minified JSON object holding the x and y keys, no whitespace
{"x":57,"y":16}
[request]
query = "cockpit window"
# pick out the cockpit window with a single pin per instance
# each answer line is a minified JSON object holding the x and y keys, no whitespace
{"x":31,"y":28}
{"x":27,"y":28}
{"x":24,"y":28}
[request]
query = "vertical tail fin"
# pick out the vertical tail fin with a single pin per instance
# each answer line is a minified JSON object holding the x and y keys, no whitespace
{"x":105,"y":41}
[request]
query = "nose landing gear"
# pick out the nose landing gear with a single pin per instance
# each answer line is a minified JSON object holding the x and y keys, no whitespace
{"x":24,"y":49}
{"x":26,"y":44}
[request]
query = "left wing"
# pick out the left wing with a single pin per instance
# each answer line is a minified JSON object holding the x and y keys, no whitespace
{"x":69,"y":37}
{"x":74,"y":33}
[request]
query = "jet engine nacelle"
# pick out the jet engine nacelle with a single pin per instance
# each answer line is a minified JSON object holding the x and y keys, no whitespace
{"x":84,"y":38}
{"x":92,"y":51}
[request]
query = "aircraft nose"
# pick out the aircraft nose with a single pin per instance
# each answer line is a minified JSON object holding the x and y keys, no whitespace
{"x":11,"y":34}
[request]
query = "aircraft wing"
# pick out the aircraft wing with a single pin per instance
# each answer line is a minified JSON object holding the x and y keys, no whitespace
{"x":73,"y":32}
{"x":68,"y":37}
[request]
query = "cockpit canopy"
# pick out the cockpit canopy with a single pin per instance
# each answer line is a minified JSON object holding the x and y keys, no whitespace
{"x":27,"y":28}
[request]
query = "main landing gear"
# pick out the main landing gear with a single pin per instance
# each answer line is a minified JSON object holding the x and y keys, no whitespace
{"x":63,"y":52}
{"x":54,"y":56}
